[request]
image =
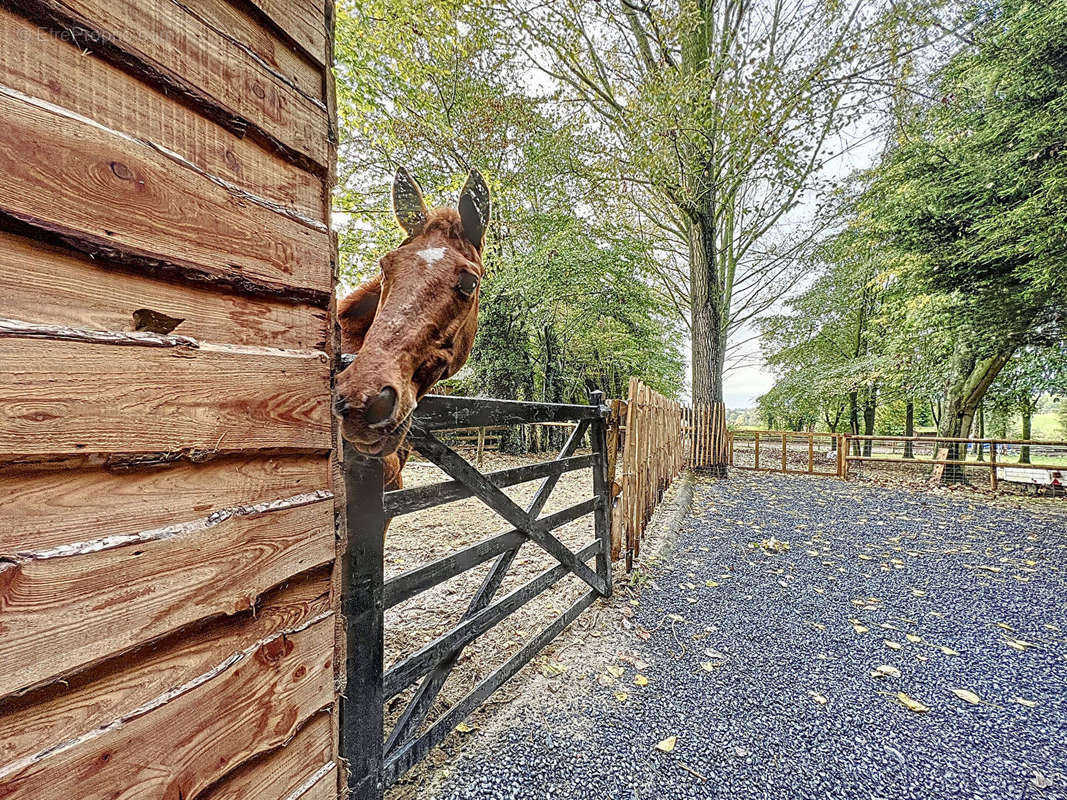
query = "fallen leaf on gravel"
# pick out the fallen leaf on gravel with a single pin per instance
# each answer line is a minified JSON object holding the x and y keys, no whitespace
{"x":913,"y":638}
{"x":676,"y":617}
{"x":817,"y":626}
{"x":860,"y":628}
{"x":622,"y":697}
{"x":640,"y":680}
{"x":741,"y":752}
{"x":463,"y":727}
{"x":1023,"y":702}
{"x":1040,"y":780}
{"x":605,"y":680}
{"x":948,"y":651}
{"x":773,"y":545}
{"x":911,"y":703}
{"x":615,"y":672}
{"x":711,"y":652}
{"x":885,"y":671}
{"x":1017,"y":644}
{"x":551,"y":669}
{"x":691,"y":600}
{"x":813,"y":553}
{"x":967,"y":696}
{"x":864,"y":557}
{"x":820,"y":591}
{"x":667,"y":745}
{"x":987,"y":569}
{"x":918,"y":593}
{"x":1005,"y":626}
{"x":818,"y":698}
{"x":707,"y":666}
{"x":710,"y":584}
{"x":893,"y":645}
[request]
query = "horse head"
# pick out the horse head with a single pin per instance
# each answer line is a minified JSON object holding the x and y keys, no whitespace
{"x":414,"y":323}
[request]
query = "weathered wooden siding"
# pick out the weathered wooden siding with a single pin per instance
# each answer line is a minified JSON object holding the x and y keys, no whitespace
{"x":168,"y":608}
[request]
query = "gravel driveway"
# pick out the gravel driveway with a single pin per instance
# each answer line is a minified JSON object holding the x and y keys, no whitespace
{"x":760,"y":662}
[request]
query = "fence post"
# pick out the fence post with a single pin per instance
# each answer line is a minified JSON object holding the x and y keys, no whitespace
{"x":993,"y":465}
{"x":601,"y":488}
{"x":756,"y":463}
{"x":362,"y":610}
{"x":785,"y":445}
{"x":811,"y":453}
{"x":843,"y":450}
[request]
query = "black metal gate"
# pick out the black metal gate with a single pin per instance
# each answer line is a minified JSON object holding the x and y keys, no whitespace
{"x":375,"y":760}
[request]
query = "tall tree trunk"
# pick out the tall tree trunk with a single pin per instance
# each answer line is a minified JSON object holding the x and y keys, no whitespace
{"x":708,"y":329}
{"x":970,"y":378}
{"x":981,"y":430}
{"x":869,"y":407}
{"x":1028,"y":417}
{"x":854,"y":420}
{"x":909,"y":429}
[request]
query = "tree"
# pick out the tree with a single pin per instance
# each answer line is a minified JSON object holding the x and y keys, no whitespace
{"x":568,"y":301}
{"x":829,"y":339}
{"x":718,"y":119}
{"x":1031,"y":373}
{"x":975,"y":197}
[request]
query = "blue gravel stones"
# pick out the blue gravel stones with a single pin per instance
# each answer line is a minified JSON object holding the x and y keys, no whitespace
{"x":975,"y":597}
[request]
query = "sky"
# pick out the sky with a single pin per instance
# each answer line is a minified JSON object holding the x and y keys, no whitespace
{"x":858,"y":149}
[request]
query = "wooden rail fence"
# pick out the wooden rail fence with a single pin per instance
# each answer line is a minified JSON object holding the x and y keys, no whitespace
{"x":838,"y":453}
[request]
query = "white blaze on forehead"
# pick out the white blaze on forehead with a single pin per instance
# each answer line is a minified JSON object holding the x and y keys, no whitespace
{"x":431,"y":255}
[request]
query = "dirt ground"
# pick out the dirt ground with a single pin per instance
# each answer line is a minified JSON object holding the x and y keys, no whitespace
{"x":426,"y":535}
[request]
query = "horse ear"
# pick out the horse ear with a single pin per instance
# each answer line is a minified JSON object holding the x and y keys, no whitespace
{"x":408,"y":205}
{"x":474,"y":208}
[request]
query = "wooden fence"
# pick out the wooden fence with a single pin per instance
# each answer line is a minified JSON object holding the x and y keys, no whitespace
{"x":167,"y":545}
{"x":949,"y":453}
{"x":839,"y":454}
{"x":704,"y":435}
{"x":786,"y":451}
{"x":652,"y":455}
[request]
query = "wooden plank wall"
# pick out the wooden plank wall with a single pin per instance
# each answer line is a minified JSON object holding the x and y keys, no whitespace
{"x":168,"y":607}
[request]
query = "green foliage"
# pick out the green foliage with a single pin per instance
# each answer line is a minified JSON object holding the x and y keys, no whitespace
{"x":962,"y":229}
{"x":568,"y":302}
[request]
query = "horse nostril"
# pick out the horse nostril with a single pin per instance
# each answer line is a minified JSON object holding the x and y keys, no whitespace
{"x":381,"y":407}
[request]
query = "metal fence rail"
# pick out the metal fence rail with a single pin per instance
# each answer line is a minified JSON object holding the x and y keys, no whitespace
{"x":376,"y":760}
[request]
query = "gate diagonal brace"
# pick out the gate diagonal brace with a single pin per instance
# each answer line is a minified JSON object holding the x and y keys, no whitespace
{"x":454,"y":464}
{"x":419,"y":706}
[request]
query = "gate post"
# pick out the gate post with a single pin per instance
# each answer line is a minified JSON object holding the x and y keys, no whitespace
{"x":601,"y":488}
{"x":362,"y":609}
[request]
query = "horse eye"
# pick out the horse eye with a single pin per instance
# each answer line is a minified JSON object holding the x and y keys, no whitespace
{"x":468,"y":282}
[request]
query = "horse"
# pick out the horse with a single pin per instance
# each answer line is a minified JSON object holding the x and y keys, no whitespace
{"x":414,"y":323}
